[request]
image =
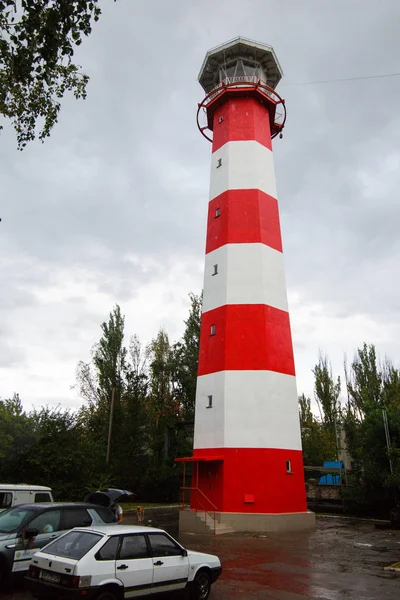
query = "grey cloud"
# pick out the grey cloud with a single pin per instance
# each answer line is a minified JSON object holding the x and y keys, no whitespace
{"x":125,"y":173}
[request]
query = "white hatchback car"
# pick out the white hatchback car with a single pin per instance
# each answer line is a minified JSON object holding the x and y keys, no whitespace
{"x":112,"y":563}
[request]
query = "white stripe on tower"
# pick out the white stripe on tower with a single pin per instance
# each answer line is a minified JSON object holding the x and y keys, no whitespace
{"x":242,"y":166}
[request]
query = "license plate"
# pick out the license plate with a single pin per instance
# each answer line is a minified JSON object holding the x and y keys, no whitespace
{"x":48,"y":576}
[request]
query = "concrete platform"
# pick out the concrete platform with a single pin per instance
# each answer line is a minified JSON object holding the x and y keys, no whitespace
{"x":192,"y":522}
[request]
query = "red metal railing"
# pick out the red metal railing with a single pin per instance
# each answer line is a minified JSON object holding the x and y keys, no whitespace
{"x":207,"y":511}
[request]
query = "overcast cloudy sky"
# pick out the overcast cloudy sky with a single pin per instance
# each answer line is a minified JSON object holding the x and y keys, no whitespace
{"x":112,"y":208}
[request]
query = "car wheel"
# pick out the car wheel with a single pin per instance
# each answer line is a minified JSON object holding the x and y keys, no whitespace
{"x":107,"y":595}
{"x":201,"y":587}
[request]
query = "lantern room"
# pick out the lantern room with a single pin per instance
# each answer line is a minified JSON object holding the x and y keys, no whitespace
{"x":240,"y":60}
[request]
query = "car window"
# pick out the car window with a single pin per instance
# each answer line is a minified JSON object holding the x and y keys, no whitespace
{"x":47,"y":521}
{"x":42,"y":497}
{"x":13,"y":518}
{"x":109,"y":550}
{"x":105,"y":514}
{"x":76,"y":516}
{"x":162,"y":545}
{"x":73,"y":544}
{"x":133,"y":546}
{"x":5,"y":499}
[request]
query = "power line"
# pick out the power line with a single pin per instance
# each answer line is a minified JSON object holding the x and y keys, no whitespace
{"x":339,"y":80}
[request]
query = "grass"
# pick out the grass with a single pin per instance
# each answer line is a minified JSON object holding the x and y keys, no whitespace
{"x":134,"y":505}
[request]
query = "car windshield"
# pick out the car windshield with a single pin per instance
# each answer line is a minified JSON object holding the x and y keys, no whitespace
{"x":74,"y":544}
{"x":12,"y":519}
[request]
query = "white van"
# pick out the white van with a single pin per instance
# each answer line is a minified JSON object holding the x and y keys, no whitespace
{"x":22,"y":493}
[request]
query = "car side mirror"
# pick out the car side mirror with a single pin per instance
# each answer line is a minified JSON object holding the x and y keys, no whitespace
{"x":31,"y":533}
{"x":184,"y":552}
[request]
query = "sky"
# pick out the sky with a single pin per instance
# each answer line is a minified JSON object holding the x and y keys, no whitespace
{"x":112,"y":208}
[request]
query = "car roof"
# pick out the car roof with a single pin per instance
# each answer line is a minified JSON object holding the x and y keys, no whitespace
{"x":44,"y":505}
{"x":120,"y":529}
{"x":26,"y":487}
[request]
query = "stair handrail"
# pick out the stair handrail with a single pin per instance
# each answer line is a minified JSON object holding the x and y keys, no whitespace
{"x":206,"y":511}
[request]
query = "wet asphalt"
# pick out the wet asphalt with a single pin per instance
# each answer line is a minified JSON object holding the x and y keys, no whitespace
{"x":341,"y":559}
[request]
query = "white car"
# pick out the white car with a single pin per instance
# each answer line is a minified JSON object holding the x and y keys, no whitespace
{"x":112,"y":563}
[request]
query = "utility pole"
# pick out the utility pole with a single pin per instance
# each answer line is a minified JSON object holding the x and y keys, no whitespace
{"x":387,"y":433}
{"x":110,"y":425}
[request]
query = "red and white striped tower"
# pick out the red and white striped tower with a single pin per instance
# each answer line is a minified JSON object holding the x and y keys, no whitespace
{"x":247,"y":460}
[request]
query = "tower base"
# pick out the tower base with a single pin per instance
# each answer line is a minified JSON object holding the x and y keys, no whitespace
{"x":198,"y":522}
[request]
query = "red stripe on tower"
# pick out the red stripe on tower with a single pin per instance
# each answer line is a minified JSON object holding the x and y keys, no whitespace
{"x":243,"y":216}
{"x":241,"y":119}
{"x":245,"y":337}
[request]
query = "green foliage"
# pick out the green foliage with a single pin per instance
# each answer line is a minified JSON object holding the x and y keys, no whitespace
{"x":186,"y":358}
{"x":365,"y":384}
{"x":319,"y":436}
{"x":37,"y":42}
{"x":318,"y":442}
{"x":326,"y":392}
{"x":16,"y":436}
{"x":373,"y":390}
{"x":44,"y":446}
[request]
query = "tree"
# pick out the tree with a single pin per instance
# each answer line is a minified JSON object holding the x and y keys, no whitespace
{"x":305,"y":412}
{"x":37,"y":42}
{"x":17,"y":436}
{"x":186,"y":359}
{"x":162,"y":404}
{"x":131,"y":445}
{"x":327,"y":393}
{"x":60,"y":456}
{"x":373,"y":397}
{"x":102,"y":385}
{"x":365,"y":383}
{"x":317,"y":442}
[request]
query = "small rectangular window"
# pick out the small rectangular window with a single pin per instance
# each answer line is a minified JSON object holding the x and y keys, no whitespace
{"x":219,"y":163}
{"x":212,"y":330}
{"x":76,"y":517}
{"x":288,"y":466}
{"x":220,"y":119}
{"x":215,"y":271}
{"x":42,"y":497}
{"x":5,"y":499}
{"x":210,"y":399}
{"x":133,"y":546}
{"x":161,"y":545}
{"x":217,"y":212}
{"x":109,"y":550}
{"x":73,"y":545}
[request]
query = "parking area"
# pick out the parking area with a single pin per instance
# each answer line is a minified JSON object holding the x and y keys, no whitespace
{"x":342,"y":559}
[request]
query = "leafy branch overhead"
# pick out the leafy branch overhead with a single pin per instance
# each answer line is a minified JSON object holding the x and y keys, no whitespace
{"x":37,"y":42}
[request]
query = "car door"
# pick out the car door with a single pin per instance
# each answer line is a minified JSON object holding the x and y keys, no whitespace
{"x":48,"y":524}
{"x":134,"y":565}
{"x":171,"y":567}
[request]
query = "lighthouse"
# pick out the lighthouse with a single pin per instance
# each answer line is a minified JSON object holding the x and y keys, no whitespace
{"x":247,"y":467}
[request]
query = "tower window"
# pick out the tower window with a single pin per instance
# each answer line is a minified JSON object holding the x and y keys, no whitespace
{"x":215,"y":272}
{"x":221,"y":118}
{"x":288,"y":467}
{"x":217,"y":212}
{"x":212,"y":330}
{"x":219,"y":163}
{"x":210,"y":400}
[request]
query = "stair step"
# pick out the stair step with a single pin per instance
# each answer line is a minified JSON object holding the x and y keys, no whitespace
{"x":219,"y":529}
